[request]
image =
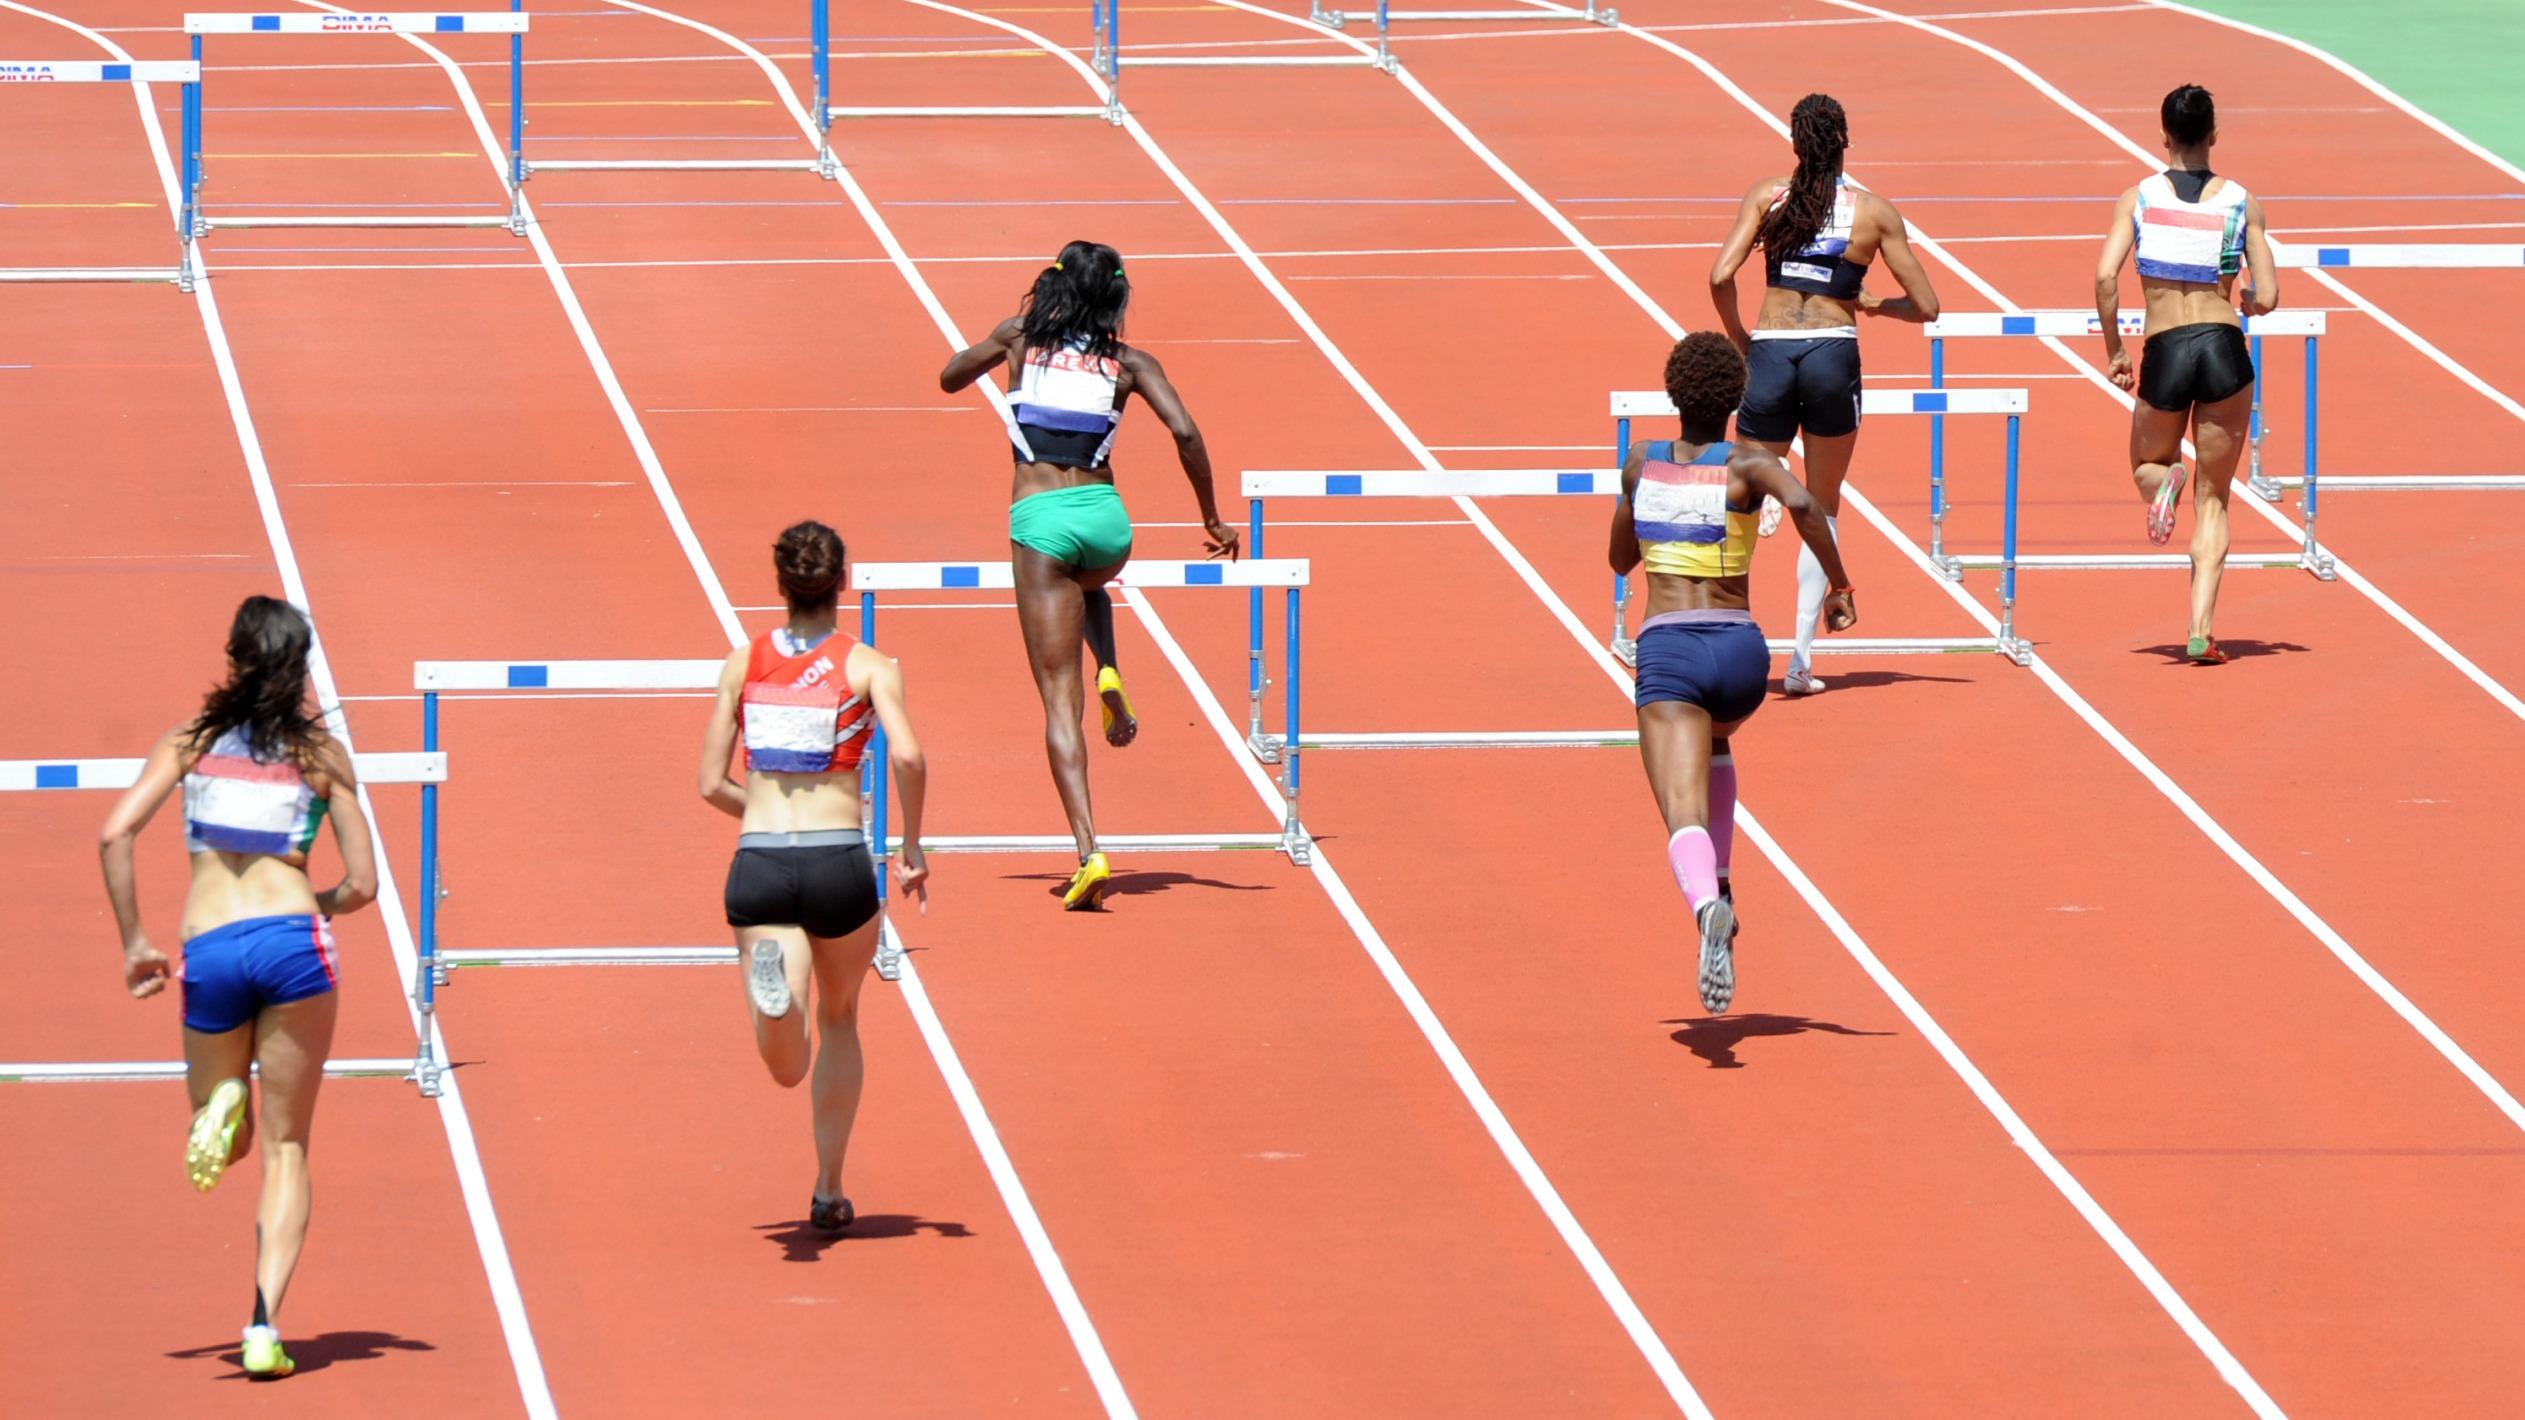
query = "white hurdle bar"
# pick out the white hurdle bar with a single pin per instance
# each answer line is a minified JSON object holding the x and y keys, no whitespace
{"x":1255,"y":574}
{"x":2072,"y":324}
{"x":194,"y":223}
{"x":428,"y":768}
{"x":2399,"y":256}
{"x":820,"y":43}
{"x":31,"y":72}
{"x":820,"y":164}
{"x":1937,"y":404}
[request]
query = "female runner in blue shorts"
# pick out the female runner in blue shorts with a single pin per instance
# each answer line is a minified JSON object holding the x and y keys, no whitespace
{"x":2192,"y":232}
{"x":260,"y":773}
{"x":805,"y":700}
{"x":1067,"y":532}
{"x":1687,"y":510}
{"x":1818,"y":232}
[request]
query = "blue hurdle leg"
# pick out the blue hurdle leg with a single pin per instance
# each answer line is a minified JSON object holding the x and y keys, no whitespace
{"x":1937,"y":466}
{"x":2021,"y":652}
{"x":2316,"y":561}
{"x":425,"y":1066}
{"x":517,"y":102}
{"x":1292,"y":834}
{"x":1621,"y":584}
{"x":1253,"y":633}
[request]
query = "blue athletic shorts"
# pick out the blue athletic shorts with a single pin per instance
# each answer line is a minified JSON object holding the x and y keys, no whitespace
{"x":232,"y":972}
{"x":1809,"y":383}
{"x":1722,"y":666}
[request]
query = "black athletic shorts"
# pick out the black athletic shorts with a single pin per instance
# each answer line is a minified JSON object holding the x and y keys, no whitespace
{"x":2194,"y":364}
{"x":829,"y":889}
{"x":1805,"y":382}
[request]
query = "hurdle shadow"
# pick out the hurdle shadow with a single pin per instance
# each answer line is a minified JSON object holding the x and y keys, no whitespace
{"x":801,"y":1242}
{"x":1868,"y":680}
{"x":312,"y":1353}
{"x":2177,"y":653}
{"x":1138,"y":882}
{"x":1715,"y":1038}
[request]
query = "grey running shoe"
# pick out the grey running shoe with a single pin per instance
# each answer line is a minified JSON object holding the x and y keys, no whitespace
{"x":1718,"y":955}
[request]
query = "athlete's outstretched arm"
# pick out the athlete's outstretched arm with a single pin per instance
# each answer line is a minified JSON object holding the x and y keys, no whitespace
{"x":719,"y":788}
{"x":144,"y":966}
{"x":1623,"y":551}
{"x":358,"y":887}
{"x":2118,"y":239}
{"x":2263,"y":269}
{"x":911,"y":770}
{"x":1148,"y":380}
{"x":974,"y":361}
{"x":1767,"y":474}
{"x":1731,"y":256}
{"x":1919,"y":301}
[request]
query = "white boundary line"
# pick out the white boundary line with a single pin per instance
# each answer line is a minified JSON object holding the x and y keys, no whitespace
{"x":995,"y":1157}
{"x":2427,"y":635}
{"x":507,"y":1301}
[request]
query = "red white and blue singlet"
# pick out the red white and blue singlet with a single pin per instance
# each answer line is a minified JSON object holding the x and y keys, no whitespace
{"x":237,"y":803}
{"x":796,"y":711}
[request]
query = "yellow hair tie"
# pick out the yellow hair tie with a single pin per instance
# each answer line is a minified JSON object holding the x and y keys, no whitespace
{"x":1057,"y":266}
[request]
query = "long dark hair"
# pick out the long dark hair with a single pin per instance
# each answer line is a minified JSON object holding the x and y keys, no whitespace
{"x":1821,"y":133}
{"x":265,"y":693}
{"x":1079,"y":297}
{"x":809,"y":558}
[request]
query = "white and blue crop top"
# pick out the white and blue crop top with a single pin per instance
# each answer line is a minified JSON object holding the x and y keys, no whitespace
{"x":1823,"y":266}
{"x":1064,"y":407}
{"x":235,"y":802}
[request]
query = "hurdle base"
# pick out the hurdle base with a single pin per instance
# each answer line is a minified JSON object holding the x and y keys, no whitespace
{"x":978,"y":111}
{"x":589,"y":956}
{"x":136,"y":1071}
{"x":203,"y":226}
{"x":2316,"y":561}
{"x":137,"y":275}
{"x":2397,"y":483}
{"x":1462,"y":739}
{"x":676,"y":165}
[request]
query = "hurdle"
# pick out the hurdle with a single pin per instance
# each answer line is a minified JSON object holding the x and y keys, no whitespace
{"x":2309,"y":324}
{"x":196,"y":223}
{"x":1255,"y":574}
{"x":427,"y":768}
{"x":83,"y":71}
{"x":1387,"y":17}
{"x":820,"y":33}
{"x":1936,"y":403}
{"x":821,"y":164}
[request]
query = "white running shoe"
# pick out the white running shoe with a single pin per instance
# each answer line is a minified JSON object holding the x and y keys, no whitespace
{"x":767,"y":979}
{"x":1718,"y":955}
{"x":1801,"y":680}
{"x":1772,"y":512}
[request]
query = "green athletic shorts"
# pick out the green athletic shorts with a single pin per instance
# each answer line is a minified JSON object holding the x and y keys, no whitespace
{"x":1082,"y":526}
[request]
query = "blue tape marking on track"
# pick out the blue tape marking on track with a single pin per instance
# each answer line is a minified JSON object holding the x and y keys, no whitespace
{"x":2332,"y":256}
{"x":1926,"y":402}
{"x":1577,"y":483}
{"x":1340,"y":485}
{"x":2016,"y":325}
{"x":528,"y":677}
{"x":1205,"y":574}
{"x":267,"y":22}
{"x":56,"y":776}
{"x":960,"y":577}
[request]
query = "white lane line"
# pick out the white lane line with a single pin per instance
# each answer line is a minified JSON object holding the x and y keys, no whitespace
{"x":1460,"y":1071}
{"x":986,"y":1140}
{"x":2176,"y":1308}
{"x":2427,"y":635}
{"x":510,"y":1305}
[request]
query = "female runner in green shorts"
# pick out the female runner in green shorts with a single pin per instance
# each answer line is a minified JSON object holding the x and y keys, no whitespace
{"x":1067,"y":531}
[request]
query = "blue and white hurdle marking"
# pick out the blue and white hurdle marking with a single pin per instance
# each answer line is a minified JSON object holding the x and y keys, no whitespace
{"x":1255,"y":574}
{"x":427,"y":769}
{"x":2072,"y":324}
{"x":2399,"y":256}
{"x":30,"y":73}
{"x":1937,"y":404}
{"x":512,"y":22}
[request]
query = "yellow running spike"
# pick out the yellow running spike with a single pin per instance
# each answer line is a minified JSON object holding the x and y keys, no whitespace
{"x":1087,"y":886}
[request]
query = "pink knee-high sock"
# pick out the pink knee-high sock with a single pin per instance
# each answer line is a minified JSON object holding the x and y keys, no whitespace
{"x":1695,"y":861}
{"x":1723,"y":809}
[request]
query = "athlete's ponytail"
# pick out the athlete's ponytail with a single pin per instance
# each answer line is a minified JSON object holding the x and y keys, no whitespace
{"x":1821,"y":133}
{"x":1079,"y":297}
{"x":265,"y":693}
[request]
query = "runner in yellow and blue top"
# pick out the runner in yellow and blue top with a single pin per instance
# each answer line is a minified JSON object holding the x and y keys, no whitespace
{"x":2193,"y":232}
{"x":259,"y":774}
{"x":1067,"y":531}
{"x":1688,"y":513}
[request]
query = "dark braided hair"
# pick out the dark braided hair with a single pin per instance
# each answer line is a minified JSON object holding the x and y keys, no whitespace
{"x":2188,"y":115}
{"x":809,"y":558}
{"x":265,"y":693}
{"x":1821,"y":133}
{"x":1705,"y":377}
{"x":1079,"y":297}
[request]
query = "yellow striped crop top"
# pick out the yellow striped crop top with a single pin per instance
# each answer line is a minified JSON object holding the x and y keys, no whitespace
{"x":1686,"y":526}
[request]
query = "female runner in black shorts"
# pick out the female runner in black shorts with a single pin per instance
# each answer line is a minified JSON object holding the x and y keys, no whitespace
{"x":805,"y":699}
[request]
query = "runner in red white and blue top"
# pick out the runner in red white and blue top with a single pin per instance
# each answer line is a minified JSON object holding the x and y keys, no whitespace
{"x":2192,"y":233}
{"x":803,"y":702}
{"x":260,"y":774}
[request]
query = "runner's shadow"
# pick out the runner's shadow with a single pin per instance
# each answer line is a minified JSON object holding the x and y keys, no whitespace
{"x":804,"y":1243}
{"x":1865,"y":680}
{"x":1140,"y":883}
{"x":1714,"y":1038}
{"x":2176,"y":653}
{"x":312,"y":1353}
